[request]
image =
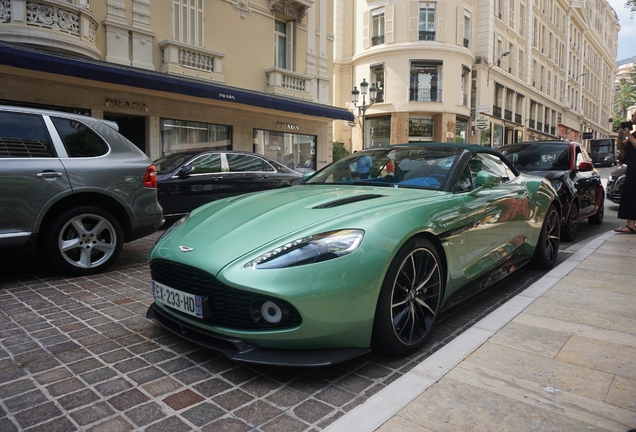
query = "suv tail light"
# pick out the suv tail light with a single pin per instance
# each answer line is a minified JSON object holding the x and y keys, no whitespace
{"x":150,"y":178}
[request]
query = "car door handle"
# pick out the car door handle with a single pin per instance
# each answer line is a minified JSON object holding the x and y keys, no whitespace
{"x":263,"y":176}
{"x":52,"y":175}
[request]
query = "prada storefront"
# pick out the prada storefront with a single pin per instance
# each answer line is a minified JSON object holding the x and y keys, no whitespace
{"x":162,"y":113}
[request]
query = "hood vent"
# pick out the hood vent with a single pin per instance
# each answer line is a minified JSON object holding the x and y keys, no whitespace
{"x":348,"y":200}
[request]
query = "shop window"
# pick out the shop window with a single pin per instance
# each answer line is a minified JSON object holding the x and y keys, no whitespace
{"x":426,"y":81}
{"x":178,"y":135}
{"x":420,"y":129}
{"x":427,"y":21}
{"x":378,"y":131}
{"x":377,"y":78}
{"x":296,"y":151}
{"x":461,"y":130}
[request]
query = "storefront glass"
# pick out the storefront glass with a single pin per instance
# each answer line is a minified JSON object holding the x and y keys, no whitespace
{"x":178,"y":135}
{"x":297,"y":151}
{"x":378,"y":131}
{"x":461,"y":130}
{"x":420,"y":129}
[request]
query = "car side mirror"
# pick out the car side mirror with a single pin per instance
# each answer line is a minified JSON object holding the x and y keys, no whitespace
{"x":185,"y":170}
{"x":485,"y":180}
{"x":586,"y":166}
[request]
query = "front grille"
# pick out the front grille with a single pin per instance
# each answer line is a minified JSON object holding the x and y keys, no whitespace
{"x":228,"y":307}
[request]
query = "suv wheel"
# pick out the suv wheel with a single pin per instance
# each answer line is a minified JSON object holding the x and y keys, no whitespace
{"x":84,"y":240}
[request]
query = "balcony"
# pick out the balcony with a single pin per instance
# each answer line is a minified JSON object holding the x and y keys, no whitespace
{"x":427,"y":35}
{"x":531,"y":123}
{"x":518,"y":119}
{"x":539,"y":126}
{"x":377,"y":40}
{"x":508,"y":115}
{"x":183,"y":59}
{"x":63,"y":26}
{"x":496,"y":111}
{"x":288,"y":83}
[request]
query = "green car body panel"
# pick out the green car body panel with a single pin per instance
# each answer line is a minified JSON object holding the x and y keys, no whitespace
{"x":337,"y":298}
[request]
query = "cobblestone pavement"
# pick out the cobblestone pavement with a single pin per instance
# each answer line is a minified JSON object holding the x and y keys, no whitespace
{"x":79,"y":354}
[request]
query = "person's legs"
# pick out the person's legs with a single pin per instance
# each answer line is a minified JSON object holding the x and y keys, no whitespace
{"x":630,"y":228}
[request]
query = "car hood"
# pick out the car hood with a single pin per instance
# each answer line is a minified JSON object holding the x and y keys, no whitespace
{"x":224,"y":230}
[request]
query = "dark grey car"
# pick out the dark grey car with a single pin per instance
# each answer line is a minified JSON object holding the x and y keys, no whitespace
{"x":73,"y":187}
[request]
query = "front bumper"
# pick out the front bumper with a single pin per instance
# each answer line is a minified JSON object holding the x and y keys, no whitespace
{"x":241,"y":351}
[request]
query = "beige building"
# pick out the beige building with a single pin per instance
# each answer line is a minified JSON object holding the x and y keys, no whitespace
{"x":488,"y":72}
{"x":251,"y":75}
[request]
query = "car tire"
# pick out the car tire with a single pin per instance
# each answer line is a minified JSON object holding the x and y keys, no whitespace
{"x":84,"y":240}
{"x":410,"y":299}
{"x":571,"y":225}
{"x":597,"y":218}
{"x":547,"y":250}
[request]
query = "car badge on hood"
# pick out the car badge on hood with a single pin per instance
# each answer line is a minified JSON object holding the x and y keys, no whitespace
{"x":186,"y":248}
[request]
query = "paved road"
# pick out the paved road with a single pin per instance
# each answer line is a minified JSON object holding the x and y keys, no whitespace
{"x":78,"y":354}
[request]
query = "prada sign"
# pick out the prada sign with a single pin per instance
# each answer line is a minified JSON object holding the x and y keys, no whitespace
{"x":289,"y":126}
{"x":116,"y":103}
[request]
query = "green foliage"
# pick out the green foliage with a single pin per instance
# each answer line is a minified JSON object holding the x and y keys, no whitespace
{"x":631,"y":6}
{"x":339,"y":151}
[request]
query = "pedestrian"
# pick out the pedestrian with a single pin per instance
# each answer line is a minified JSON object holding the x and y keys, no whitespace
{"x":364,"y":166}
{"x":627,"y":207}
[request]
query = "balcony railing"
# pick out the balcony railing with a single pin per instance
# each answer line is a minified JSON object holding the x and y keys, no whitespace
{"x":426,"y":95}
{"x":508,"y":115}
{"x":427,"y":35}
{"x":518,"y":119}
{"x":546,"y":128}
{"x":60,"y":25}
{"x":288,"y":82}
{"x":496,"y":111}
{"x":191,"y":60}
{"x":377,"y":40}
{"x":466,"y":43}
{"x":531,"y":123}
{"x":539,"y":126}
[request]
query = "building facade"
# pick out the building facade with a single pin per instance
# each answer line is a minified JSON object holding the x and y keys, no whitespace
{"x":252,"y":75}
{"x":488,"y":72}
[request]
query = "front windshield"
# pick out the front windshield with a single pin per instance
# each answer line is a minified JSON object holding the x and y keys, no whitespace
{"x":538,"y":157}
{"x":425,"y":167}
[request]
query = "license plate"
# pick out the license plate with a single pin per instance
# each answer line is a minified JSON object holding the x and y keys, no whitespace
{"x":179,"y":300}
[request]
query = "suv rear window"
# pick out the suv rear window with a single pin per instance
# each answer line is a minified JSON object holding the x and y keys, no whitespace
{"x":24,"y":136}
{"x":79,"y":139}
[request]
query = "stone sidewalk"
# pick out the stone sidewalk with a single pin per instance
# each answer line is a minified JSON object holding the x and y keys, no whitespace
{"x":560,"y":356}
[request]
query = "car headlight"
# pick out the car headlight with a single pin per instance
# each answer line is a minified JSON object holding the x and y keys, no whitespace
{"x":557,"y":184}
{"x":172,"y":228}
{"x":308,"y":250}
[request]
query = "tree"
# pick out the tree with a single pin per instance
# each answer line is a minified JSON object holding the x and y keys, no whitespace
{"x":623,"y":99}
{"x":339,"y":151}
{"x":631,"y":6}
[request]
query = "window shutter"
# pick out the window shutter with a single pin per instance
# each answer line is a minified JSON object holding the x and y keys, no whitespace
{"x":365,"y":29}
{"x":460,"y":26}
{"x":388,"y":23}
{"x":441,"y":22}
{"x":414,"y":20}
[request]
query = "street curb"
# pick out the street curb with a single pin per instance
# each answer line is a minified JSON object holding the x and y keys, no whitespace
{"x":385,"y":404}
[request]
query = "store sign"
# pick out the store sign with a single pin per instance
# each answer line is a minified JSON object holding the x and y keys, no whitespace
{"x":289,"y":126}
{"x":482,"y":123}
{"x":116,"y":103}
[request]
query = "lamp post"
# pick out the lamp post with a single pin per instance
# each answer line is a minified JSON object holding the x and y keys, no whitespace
{"x":505,"y":53}
{"x":355,"y":96}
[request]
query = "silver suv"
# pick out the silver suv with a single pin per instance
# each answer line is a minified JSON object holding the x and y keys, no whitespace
{"x":73,"y":187}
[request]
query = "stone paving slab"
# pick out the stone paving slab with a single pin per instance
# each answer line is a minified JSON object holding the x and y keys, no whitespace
{"x":78,"y":354}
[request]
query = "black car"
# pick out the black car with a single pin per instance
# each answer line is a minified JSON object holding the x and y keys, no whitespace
{"x":615,"y":184}
{"x":570,"y":170}
{"x":189,"y":179}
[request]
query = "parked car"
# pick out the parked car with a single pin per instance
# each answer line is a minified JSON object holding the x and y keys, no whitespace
{"x":614,"y":186}
{"x":72,"y":187}
{"x":322,"y":272}
{"x":189,"y":179}
{"x":570,"y":170}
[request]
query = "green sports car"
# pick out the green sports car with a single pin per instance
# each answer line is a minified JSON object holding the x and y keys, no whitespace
{"x":363,"y":255}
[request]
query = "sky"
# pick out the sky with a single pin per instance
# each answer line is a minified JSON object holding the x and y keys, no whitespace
{"x":626,"y":44}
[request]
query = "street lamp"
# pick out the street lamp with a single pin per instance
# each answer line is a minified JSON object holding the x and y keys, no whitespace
{"x":355,"y":96}
{"x":505,"y":53}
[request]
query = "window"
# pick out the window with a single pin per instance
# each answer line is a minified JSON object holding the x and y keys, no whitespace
{"x":425,"y":81}
{"x":420,"y":129}
{"x":427,"y":21}
{"x":378,"y":131}
{"x":296,"y":151}
{"x":377,"y":78}
{"x":177,"y":135}
{"x":247,"y":163}
{"x":207,"y":164}
{"x":465,"y":83}
{"x":283,"y":44}
{"x":24,"y":136}
{"x":467,"y":30}
{"x":522,"y":19}
{"x":377,"y":18}
{"x":511,"y":10}
{"x":79,"y":139}
{"x":188,"y":21}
